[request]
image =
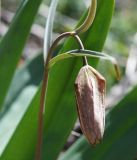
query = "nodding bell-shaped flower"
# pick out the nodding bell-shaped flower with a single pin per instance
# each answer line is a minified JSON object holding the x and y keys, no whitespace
{"x":90,"y":97}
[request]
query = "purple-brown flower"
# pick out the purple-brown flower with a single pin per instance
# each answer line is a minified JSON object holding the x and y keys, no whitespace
{"x":90,"y":97}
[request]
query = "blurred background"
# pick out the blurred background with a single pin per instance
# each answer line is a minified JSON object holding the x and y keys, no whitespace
{"x":121,"y":41}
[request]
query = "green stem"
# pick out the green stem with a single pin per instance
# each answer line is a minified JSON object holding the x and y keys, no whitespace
{"x":44,"y":89}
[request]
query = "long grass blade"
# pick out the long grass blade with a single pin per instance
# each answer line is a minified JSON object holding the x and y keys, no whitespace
{"x":49,"y":27}
{"x":13,"y":42}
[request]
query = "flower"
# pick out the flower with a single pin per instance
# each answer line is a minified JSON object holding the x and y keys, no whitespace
{"x":90,"y":97}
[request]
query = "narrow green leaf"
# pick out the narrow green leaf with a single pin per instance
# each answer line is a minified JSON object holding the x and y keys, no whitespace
{"x":120,"y":136}
{"x":60,"y":111}
{"x":89,"y":19}
{"x":87,"y":53}
{"x":81,"y":53}
{"x":49,"y":27}
{"x":13,"y":43}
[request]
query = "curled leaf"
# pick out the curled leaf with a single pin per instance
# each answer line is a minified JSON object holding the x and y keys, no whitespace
{"x":87,"y":53}
{"x":90,"y":97}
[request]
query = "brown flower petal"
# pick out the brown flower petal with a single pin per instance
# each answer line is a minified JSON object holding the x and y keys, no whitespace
{"x":90,"y":97}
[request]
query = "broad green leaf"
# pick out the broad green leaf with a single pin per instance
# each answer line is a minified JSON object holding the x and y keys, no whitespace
{"x":19,"y":97}
{"x":27,"y":129}
{"x":13,"y":42}
{"x":120,"y":137}
{"x":60,"y":113}
{"x":27,"y":76}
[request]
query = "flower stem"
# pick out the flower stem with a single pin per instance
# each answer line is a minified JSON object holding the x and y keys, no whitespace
{"x":82,"y":28}
{"x":44,"y":89}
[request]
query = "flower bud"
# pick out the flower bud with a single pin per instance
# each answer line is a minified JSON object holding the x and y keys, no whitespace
{"x":90,"y":97}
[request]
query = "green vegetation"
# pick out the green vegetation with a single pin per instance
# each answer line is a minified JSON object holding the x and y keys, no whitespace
{"x":20,"y":84}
